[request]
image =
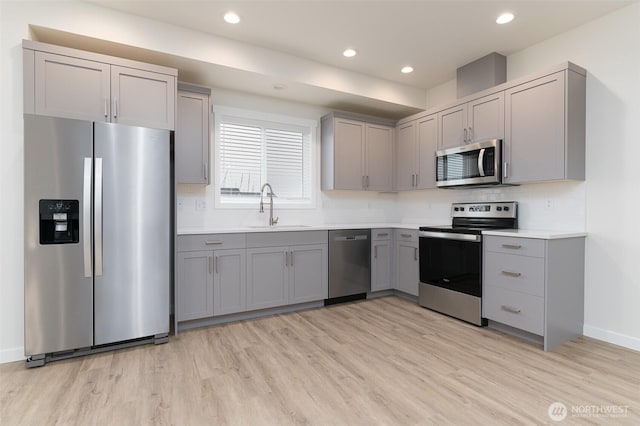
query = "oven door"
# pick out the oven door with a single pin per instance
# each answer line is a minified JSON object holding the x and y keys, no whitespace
{"x":452,"y":261}
{"x":473,"y":164}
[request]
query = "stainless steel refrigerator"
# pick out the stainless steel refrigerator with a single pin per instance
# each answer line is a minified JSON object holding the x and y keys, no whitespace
{"x":97,"y":236}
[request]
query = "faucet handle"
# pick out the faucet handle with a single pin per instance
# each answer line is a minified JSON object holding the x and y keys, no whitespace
{"x":274,"y":221}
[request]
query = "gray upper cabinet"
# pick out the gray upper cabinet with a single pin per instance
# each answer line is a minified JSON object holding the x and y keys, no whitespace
{"x":70,"y":83}
{"x":545,"y":127}
{"x":356,"y":154}
{"x":71,"y":87}
{"x":142,"y":98}
{"x":474,"y":121}
{"x":193,"y":133}
{"x":416,"y":144}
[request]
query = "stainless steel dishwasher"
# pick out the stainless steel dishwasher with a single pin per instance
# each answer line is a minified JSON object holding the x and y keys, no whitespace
{"x":349,"y":264}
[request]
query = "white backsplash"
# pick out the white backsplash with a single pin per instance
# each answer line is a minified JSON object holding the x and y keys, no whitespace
{"x":558,"y":206}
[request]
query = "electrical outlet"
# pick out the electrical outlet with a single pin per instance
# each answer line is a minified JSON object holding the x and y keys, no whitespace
{"x":548,"y":204}
{"x":180,"y":203}
{"x":201,"y":205}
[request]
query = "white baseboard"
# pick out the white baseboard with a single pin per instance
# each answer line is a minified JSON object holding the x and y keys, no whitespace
{"x":11,"y":355}
{"x":620,"y":339}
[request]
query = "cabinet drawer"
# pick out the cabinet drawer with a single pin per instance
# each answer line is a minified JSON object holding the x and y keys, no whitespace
{"x":515,"y":309}
{"x":408,"y":235}
{"x":210,"y":242}
{"x":514,"y":245}
{"x":286,"y":238}
{"x":519,"y":273}
{"x":381,"y":234}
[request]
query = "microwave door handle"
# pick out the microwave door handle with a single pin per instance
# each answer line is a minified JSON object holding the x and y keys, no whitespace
{"x":481,"y":162}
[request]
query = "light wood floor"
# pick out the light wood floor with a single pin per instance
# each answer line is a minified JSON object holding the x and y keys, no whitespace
{"x":384,"y":361}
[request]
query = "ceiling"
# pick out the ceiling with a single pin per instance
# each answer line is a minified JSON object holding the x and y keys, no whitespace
{"x":434,"y":37}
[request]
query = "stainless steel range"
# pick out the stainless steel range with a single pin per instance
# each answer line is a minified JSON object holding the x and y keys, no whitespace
{"x":451,"y":258}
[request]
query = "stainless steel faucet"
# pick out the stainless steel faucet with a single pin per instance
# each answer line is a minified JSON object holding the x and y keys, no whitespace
{"x":272,"y":221}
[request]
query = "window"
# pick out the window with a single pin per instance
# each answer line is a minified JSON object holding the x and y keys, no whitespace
{"x":252,"y":151}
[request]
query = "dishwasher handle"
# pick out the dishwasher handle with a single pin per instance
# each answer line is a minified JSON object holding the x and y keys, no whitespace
{"x":351,"y":238}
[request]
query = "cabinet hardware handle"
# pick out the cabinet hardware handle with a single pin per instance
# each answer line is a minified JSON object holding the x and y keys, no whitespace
{"x":413,"y":180}
{"x":470,"y":134}
{"x":405,"y":235}
{"x":367,"y":181}
{"x":465,"y":136}
{"x":286,"y":258}
{"x":210,"y":262}
{"x":375,"y":252}
{"x":415,"y":253}
{"x":205,"y":172}
{"x":115,"y":108}
{"x":417,"y":180}
{"x":291,"y":258}
{"x":211,"y":243}
{"x":510,"y":309}
{"x":511,"y":274}
{"x":217,"y":265}
{"x":504,"y":170}
{"x":106,"y":108}
{"x":512,"y":246}
{"x":383,"y":234}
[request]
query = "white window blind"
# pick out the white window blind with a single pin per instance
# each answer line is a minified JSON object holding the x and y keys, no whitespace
{"x":253,"y":152}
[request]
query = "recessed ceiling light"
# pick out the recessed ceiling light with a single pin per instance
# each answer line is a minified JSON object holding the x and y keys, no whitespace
{"x":349,"y":53}
{"x":231,"y":18}
{"x":505,"y":18}
{"x":406,"y":70}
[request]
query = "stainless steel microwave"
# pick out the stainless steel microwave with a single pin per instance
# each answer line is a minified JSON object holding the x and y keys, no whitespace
{"x":470,"y":165}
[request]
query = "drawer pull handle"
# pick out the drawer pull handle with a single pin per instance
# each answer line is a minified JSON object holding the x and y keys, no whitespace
{"x":510,"y":309}
{"x":511,"y":274}
{"x":405,"y":235}
{"x":384,"y":234}
{"x":512,"y":246}
{"x":211,"y":243}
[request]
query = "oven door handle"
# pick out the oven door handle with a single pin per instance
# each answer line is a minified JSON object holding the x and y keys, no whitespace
{"x":451,"y":236}
{"x":481,"y":162}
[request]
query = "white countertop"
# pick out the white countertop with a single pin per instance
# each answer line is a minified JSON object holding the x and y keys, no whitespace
{"x":534,"y":233}
{"x":283,"y":227}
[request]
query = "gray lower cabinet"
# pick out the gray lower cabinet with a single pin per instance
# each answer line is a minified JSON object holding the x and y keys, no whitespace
{"x":545,"y":129}
{"x":279,"y":275}
{"x":381,"y":258}
{"x":229,"y":281}
{"x":194,"y":285}
{"x":535,"y":285}
{"x":193,"y":133}
{"x":407,"y":261}
{"x":70,"y":83}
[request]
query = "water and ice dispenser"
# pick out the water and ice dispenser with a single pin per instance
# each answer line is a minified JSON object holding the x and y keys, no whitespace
{"x":59,"y":221}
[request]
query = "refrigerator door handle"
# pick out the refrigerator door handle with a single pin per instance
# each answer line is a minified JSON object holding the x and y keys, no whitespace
{"x":98,"y":216}
{"x":86,"y":217}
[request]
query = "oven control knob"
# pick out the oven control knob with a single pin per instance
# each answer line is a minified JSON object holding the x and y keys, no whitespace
{"x":506,"y":208}
{"x":499,"y":208}
{"x":455,"y":209}
{"x":461,"y":209}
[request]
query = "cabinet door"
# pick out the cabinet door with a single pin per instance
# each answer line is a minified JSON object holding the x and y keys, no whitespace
{"x":267,"y":277}
{"x":71,"y":88}
{"x":405,"y":156}
{"x":534,"y":130}
{"x":381,"y":265}
{"x":451,"y":127}
{"x":308,"y":273}
{"x":229,"y":283}
{"x":349,"y":154}
{"x":427,"y":143}
{"x":408,"y":268}
{"x":486,"y":118}
{"x":379,"y":158}
{"x":142,"y":98}
{"x":194,"y":295}
{"x":192,"y":138}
